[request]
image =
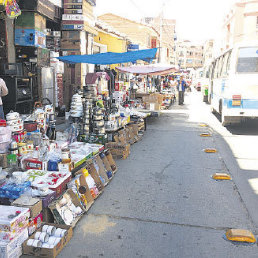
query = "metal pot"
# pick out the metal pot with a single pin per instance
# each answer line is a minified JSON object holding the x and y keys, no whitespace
{"x":51,"y":117}
{"x":98,"y":111}
{"x":98,"y":124}
{"x":86,"y":121}
{"x":100,"y":130}
{"x":98,"y":117}
{"x":13,"y":116}
{"x":13,"y":145}
{"x":76,"y":113}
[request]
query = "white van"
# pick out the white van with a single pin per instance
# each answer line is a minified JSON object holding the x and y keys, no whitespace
{"x":234,"y":83}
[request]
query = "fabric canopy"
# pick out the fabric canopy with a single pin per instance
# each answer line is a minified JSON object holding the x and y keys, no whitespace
{"x":92,"y":77}
{"x":111,"y":57}
{"x":147,"y":70}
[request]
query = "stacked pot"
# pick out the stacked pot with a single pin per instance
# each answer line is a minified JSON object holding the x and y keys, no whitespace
{"x":76,"y":106}
{"x":86,"y":119}
{"x":14,"y":121}
{"x":98,"y":121}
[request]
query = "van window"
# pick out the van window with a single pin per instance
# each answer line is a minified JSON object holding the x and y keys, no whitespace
{"x":226,"y":62}
{"x":217,"y":68}
{"x":247,"y":60}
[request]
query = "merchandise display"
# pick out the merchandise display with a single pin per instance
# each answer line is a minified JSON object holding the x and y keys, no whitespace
{"x":49,"y":176}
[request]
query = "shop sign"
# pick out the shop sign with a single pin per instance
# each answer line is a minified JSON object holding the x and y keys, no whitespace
{"x":133,"y":47}
{"x":72,"y":17}
{"x":73,"y":27}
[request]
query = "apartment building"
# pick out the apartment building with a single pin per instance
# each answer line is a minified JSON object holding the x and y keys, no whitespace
{"x":141,"y":36}
{"x":208,"y":51}
{"x":167,"y":29}
{"x":241,"y":23}
{"x":189,"y":55}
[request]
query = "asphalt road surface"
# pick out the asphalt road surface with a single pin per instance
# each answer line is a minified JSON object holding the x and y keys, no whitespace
{"x":163,"y":201}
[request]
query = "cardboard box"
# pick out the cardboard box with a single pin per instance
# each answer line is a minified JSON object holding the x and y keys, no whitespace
{"x":53,"y":207}
{"x":86,"y":199}
{"x":46,"y":200}
{"x":48,"y":216}
{"x":94,"y":174}
{"x":153,"y":106}
{"x":14,"y":253}
{"x":13,"y":249}
{"x":101,"y":169}
{"x":118,"y":150}
{"x":117,"y":146}
{"x":88,"y":196}
{"x":111,"y":161}
{"x":34,"y":204}
{"x":105,"y":162}
{"x":11,"y":227}
{"x":47,"y":252}
{"x":35,"y":223}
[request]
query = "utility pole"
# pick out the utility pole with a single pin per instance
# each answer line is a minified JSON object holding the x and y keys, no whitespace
{"x":161,"y":31}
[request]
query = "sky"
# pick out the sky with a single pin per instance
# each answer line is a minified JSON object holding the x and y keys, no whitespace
{"x":197,"y":20}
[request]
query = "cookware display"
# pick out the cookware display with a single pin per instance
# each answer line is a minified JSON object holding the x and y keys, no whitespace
{"x":14,"y":121}
{"x":76,"y":106}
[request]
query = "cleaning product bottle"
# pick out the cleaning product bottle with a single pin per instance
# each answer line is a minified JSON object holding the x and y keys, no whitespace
{"x":91,"y":183}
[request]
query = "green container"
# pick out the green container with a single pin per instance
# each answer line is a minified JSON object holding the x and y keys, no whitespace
{"x":206,"y":92}
{"x":11,"y":160}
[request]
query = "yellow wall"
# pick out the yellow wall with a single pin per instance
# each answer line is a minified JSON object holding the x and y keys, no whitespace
{"x":113,"y":43}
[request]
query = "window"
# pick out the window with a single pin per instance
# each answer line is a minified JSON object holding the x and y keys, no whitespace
{"x":247,"y":60}
{"x":225,"y":65}
{"x":216,"y":69}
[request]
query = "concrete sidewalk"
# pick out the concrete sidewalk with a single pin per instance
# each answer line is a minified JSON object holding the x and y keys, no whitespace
{"x":162,"y":201}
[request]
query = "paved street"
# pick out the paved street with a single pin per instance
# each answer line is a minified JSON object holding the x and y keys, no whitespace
{"x":163,"y":202}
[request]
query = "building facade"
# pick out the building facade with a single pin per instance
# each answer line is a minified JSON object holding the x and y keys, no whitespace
{"x":167,"y":30}
{"x":142,"y":36}
{"x":109,"y":40}
{"x":208,"y":52}
{"x":240,"y":24}
{"x":189,"y":55}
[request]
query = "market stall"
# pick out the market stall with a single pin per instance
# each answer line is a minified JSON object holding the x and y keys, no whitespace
{"x":48,"y":178}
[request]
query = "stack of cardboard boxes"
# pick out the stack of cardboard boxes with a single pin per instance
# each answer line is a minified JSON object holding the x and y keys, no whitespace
{"x":77,"y":32}
{"x":153,"y":101}
{"x":132,"y":133}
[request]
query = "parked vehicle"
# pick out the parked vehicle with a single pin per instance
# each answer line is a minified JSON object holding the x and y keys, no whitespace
{"x":234,"y":84}
{"x":205,"y":82}
{"x":197,"y":79}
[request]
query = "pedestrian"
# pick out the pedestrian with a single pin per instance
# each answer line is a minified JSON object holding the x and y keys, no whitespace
{"x":3,"y":92}
{"x":181,"y":86}
{"x":173,"y":85}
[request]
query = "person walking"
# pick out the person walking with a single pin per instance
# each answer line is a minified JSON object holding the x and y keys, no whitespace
{"x":3,"y":92}
{"x":181,"y":86}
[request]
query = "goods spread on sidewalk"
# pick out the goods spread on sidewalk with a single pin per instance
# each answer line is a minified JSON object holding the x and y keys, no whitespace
{"x":50,"y":178}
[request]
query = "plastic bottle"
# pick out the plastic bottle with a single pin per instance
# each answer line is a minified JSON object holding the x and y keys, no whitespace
{"x":36,"y":153}
{"x":91,"y":183}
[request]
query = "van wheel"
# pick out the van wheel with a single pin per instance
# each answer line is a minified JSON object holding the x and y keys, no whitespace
{"x":224,"y":119}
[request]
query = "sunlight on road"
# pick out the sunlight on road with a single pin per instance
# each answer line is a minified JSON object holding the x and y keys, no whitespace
{"x":254,"y":184}
{"x":242,"y":145}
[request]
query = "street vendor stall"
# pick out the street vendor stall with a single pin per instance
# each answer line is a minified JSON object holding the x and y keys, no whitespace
{"x":49,"y":179}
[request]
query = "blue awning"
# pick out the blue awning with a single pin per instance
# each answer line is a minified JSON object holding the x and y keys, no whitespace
{"x":111,"y":57}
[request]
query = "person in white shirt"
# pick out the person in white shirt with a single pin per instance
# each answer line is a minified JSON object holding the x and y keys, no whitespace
{"x":3,"y":92}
